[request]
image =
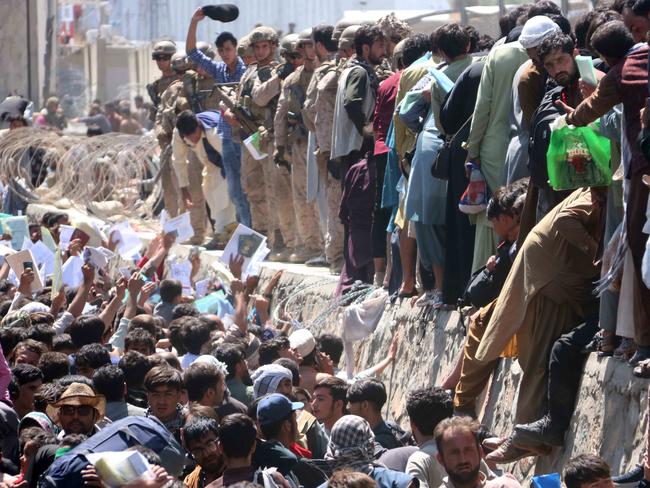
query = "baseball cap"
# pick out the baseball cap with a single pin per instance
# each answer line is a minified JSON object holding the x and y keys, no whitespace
{"x":275,"y":407}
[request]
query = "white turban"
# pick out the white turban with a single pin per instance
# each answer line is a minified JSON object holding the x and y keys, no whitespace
{"x":535,"y":30}
{"x":267,"y":378}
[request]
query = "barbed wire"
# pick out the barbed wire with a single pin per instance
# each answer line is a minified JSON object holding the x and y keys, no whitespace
{"x":293,"y":311}
{"x":83,"y":170}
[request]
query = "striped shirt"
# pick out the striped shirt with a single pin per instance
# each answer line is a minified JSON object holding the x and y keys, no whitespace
{"x":218,"y":70}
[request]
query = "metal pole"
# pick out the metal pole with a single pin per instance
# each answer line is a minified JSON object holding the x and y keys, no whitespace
{"x":29,"y":48}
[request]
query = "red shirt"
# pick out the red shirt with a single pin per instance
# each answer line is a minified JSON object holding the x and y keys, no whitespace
{"x":384,"y":107}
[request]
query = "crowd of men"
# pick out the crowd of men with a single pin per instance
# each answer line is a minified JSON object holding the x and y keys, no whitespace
{"x":240,"y":399}
{"x":353,"y":151}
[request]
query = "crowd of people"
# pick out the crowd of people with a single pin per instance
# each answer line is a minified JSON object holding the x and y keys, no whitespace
{"x":361,"y":149}
{"x":246,"y":400}
{"x":102,"y":118}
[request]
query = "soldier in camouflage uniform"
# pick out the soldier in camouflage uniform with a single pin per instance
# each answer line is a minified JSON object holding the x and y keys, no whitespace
{"x":256,"y":176}
{"x":258,"y":95}
{"x":291,"y":140}
{"x":245,"y":51}
{"x":162,"y":54}
{"x":318,"y":113}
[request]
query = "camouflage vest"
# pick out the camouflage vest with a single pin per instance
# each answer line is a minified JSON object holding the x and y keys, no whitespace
{"x":298,"y":82}
{"x":199,"y":92}
{"x":261,"y":115}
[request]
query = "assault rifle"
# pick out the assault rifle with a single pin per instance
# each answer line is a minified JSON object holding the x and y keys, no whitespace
{"x":248,"y":125}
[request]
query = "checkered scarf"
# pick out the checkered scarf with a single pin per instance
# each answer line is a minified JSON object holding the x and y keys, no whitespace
{"x":352,"y":445}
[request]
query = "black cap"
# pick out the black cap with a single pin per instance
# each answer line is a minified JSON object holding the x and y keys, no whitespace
{"x":225,"y":12}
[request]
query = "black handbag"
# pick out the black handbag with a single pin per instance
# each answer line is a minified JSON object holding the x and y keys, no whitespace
{"x":440,"y":167}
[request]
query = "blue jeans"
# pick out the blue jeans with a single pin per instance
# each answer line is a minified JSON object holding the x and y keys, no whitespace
{"x":232,"y":164}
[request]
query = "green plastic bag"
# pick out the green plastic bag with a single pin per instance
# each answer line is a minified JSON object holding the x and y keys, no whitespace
{"x":578,"y":157}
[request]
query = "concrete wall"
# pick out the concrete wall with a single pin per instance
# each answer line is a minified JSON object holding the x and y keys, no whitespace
{"x":22,"y":47}
{"x":610,"y":417}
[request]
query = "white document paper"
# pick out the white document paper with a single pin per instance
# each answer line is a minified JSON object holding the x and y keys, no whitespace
{"x":17,"y":263}
{"x":181,"y":271}
{"x":57,"y":275}
{"x":180,"y":226}
{"x":586,"y":69}
{"x":253,"y":145}
{"x":128,"y":242}
{"x":71,"y":271}
{"x":48,"y":240}
{"x":18,"y":229}
{"x":4,"y":250}
{"x":119,"y":468}
{"x":247,"y":243}
{"x":201,"y":288}
{"x":44,"y":257}
{"x":98,"y":256}
{"x":126,"y":273}
{"x":65,"y":235}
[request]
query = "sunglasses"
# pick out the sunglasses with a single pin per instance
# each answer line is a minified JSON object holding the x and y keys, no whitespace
{"x":161,"y":57}
{"x":81,"y":410}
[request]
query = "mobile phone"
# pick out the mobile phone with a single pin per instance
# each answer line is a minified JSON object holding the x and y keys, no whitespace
{"x":28,"y":265}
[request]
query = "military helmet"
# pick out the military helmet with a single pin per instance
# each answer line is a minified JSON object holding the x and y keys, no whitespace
{"x":244,"y":47}
{"x":164,"y":48}
{"x":340,"y":27}
{"x":346,"y":40}
{"x":180,"y":62}
{"x":206,"y":49}
{"x":305,"y":36}
{"x":263,"y":33}
{"x":289,"y":44}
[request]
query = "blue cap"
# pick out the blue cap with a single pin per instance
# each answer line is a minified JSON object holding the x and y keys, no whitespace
{"x":275,"y":407}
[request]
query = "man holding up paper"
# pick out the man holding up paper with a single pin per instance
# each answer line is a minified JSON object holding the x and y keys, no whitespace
{"x":198,"y":134}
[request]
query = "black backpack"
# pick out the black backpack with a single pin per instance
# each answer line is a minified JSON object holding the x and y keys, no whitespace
{"x":540,"y":136}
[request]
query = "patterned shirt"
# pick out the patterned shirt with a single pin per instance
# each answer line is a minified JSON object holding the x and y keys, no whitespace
{"x":219,"y":71}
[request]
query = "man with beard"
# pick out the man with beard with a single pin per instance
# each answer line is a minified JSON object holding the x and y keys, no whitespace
{"x":200,"y":437}
{"x":77,"y":411}
{"x":527,"y":92}
{"x":355,"y":97}
{"x":276,"y":415}
{"x":353,"y":112}
{"x":460,"y":453}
